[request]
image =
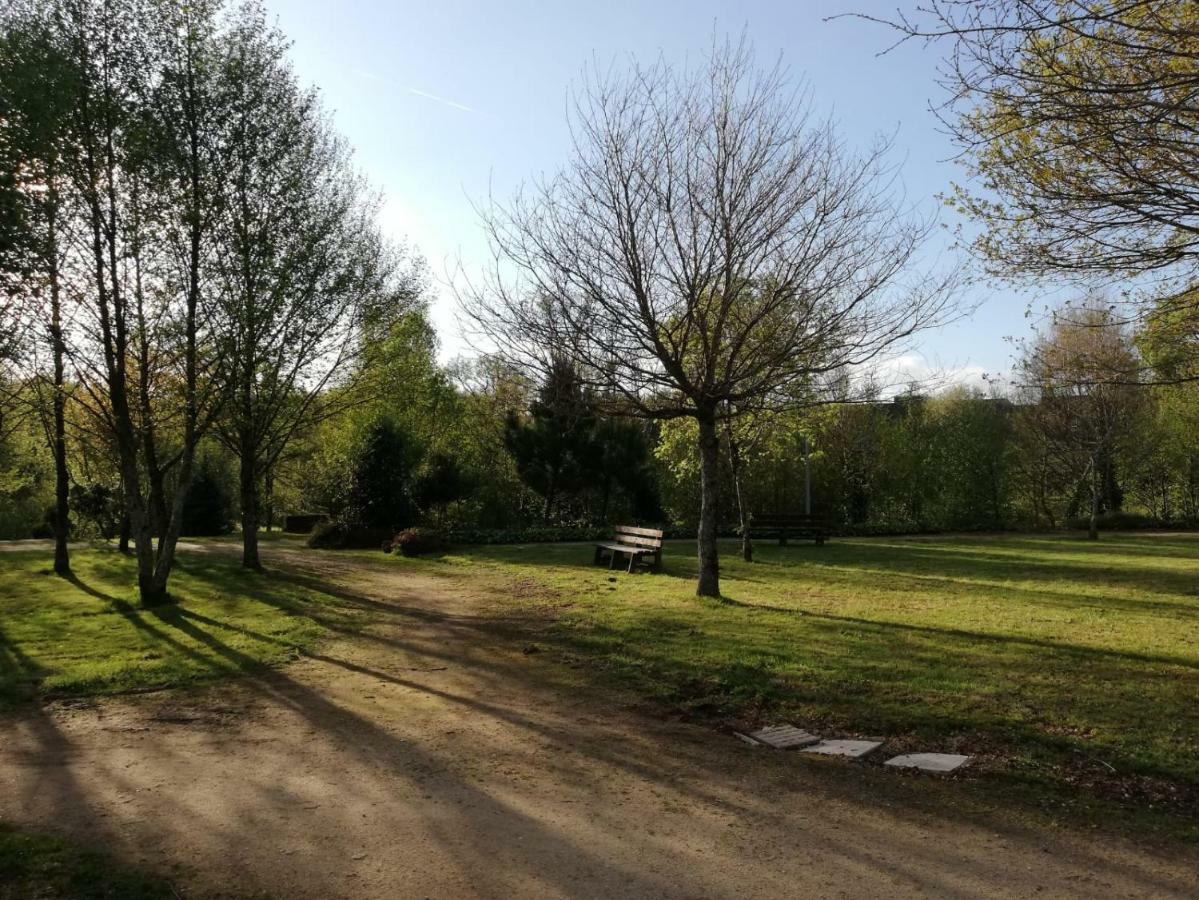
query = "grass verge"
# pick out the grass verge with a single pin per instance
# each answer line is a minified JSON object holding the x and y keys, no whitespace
{"x":88,"y":635}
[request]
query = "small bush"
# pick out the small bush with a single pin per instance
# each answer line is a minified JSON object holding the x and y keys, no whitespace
{"x":1123,"y":521}
{"x":210,"y":505}
{"x":339,"y":536}
{"x":44,"y":529}
{"x":327,"y":536}
{"x":539,"y":535}
{"x":418,"y":542}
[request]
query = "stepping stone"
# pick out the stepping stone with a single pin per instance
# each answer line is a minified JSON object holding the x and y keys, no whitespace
{"x":784,"y":737}
{"x":852,"y":749}
{"x":929,"y":762}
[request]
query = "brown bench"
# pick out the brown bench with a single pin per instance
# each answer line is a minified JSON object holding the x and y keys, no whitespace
{"x":789,"y":525}
{"x":640,"y":545}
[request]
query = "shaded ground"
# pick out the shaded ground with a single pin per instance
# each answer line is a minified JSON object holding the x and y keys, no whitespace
{"x":48,"y":868}
{"x":431,"y":756}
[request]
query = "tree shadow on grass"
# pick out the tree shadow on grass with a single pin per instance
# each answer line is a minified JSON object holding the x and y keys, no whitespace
{"x":19,"y":675}
{"x":875,"y":664}
{"x":500,"y":676}
{"x":1010,"y":694}
{"x":918,"y":559}
{"x":485,"y":815}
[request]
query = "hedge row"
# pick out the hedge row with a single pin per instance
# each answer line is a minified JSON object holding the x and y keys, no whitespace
{"x":334,"y":535}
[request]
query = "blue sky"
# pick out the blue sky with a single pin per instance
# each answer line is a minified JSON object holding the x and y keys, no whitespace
{"x":444,"y":101}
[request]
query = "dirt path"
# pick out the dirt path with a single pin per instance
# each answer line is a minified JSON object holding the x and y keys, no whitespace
{"x":430,"y":757}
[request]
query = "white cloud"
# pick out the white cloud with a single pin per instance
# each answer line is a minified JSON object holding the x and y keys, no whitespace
{"x":915,"y":371}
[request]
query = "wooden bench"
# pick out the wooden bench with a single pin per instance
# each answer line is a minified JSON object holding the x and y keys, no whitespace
{"x":640,"y":545}
{"x":789,"y":525}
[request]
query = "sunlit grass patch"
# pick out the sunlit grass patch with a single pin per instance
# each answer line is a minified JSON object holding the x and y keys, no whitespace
{"x":88,"y":634}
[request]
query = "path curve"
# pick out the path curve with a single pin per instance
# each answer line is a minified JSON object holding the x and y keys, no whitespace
{"x":431,"y":757}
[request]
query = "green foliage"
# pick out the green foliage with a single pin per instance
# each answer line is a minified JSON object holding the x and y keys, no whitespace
{"x":1169,"y":337}
{"x":26,"y":483}
{"x":912,"y":463}
{"x":459,"y":471}
{"x":328,"y":535}
{"x":533,"y":535}
{"x":583,"y":465}
{"x":1120,"y":521}
{"x":381,"y":490}
{"x":97,"y":507}
{"x":418,"y":542}
{"x":210,"y":505}
{"x":440,"y":481}
{"x":340,"y":536}
{"x":553,"y":447}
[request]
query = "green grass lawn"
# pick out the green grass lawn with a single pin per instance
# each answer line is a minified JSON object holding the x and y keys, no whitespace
{"x":89,"y":636}
{"x":1069,"y":670}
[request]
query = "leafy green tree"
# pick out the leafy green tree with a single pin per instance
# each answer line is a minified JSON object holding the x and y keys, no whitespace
{"x":211,"y":503}
{"x":553,"y":446}
{"x":26,"y":481}
{"x":575,"y":457}
{"x":1077,"y":124}
{"x":440,"y":482}
{"x":485,"y":390}
{"x":135,"y":166}
{"x":973,"y":450}
{"x":380,"y":495}
{"x":1079,"y":375}
{"x":303,"y":270}
{"x":35,"y":90}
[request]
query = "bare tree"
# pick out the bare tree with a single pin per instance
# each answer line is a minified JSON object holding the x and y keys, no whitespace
{"x":707,"y":246}
{"x":1076,"y":377}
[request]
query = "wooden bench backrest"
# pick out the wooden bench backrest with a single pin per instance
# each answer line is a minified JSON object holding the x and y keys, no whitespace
{"x":649,"y":538}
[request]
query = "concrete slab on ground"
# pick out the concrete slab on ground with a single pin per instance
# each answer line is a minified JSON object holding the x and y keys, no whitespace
{"x":929,"y":762}
{"x":784,"y":737}
{"x":851,"y":749}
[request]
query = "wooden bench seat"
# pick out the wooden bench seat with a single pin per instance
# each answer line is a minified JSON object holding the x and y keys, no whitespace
{"x":791,"y":525}
{"x":642,"y":546}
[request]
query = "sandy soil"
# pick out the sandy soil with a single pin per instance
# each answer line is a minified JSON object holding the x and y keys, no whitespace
{"x":431,"y":757}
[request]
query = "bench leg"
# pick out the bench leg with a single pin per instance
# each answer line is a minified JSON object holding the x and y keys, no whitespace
{"x":632,"y":562}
